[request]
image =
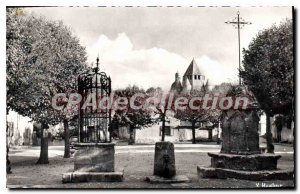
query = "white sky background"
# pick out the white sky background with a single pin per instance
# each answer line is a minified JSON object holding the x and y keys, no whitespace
{"x":146,"y":46}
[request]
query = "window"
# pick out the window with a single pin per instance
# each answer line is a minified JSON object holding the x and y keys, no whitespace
{"x":199,"y":77}
{"x":167,"y":130}
{"x":195,"y":76}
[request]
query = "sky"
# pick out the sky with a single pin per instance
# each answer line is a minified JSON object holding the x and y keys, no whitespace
{"x":146,"y":46}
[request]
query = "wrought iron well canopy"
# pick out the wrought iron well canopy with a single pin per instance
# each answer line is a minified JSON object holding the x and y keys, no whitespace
{"x":94,"y":124}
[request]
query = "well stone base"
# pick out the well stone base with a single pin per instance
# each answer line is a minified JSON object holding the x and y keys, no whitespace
{"x":262,"y":175}
{"x":93,"y":162}
{"x":94,"y":157}
{"x":174,"y":179}
{"x":75,"y":177}
{"x":252,"y":162}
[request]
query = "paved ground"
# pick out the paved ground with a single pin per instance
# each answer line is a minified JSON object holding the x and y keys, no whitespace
{"x":137,"y":162}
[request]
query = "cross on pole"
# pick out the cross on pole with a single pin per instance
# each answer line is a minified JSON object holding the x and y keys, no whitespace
{"x":238,"y":22}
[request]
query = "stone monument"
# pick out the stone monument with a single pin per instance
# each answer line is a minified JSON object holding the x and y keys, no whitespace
{"x":164,"y":165}
{"x":240,"y":156}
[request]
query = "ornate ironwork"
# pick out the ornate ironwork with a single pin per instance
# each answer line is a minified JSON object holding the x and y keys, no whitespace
{"x":94,"y":123}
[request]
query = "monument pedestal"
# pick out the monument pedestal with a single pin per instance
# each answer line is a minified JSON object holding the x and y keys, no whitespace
{"x":244,"y":162}
{"x":258,"y":167}
{"x":240,"y":156}
{"x":94,"y":162}
{"x":174,"y":179}
{"x":164,"y":165}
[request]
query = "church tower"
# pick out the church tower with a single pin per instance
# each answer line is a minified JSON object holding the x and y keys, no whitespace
{"x":176,"y":87}
{"x":193,"y":79}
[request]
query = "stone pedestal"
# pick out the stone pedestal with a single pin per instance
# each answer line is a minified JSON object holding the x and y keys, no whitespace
{"x":258,"y":167}
{"x":262,"y":175}
{"x":94,"y":162}
{"x":240,"y":156}
{"x":164,"y":160}
{"x":164,"y":165}
{"x":174,"y":179}
{"x":252,"y":162}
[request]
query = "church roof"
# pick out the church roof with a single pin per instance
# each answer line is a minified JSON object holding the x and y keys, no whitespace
{"x":176,"y":86}
{"x":193,"y":69}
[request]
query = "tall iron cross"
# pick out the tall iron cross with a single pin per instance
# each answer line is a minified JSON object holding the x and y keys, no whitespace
{"x":238,"y":22}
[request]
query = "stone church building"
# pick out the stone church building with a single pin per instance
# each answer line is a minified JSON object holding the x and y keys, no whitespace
{"x":192,"y":79}
{"x":176,"y":130}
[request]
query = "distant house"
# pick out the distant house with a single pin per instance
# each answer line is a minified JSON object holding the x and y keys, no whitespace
{"x":13,"y":134}
{"x":175,"y":131}
{"x":17,"y":126}
{"x":52,"y":140}
{"x":287,"y":132}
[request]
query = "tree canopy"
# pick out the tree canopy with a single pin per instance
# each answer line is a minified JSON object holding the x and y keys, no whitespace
{"x":268,"y":68}
{"x":43,"y":58}
{"x":127,"y":116}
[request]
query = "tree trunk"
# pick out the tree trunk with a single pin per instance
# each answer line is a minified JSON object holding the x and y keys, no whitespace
{"x":131,"y":135}
{"x":269,"y":138}
{"x":163,"y":129}
{"x":8,"y":165}
{"x":278,"y":136}
{"x":210,"y":134}
{"x":44,"y":146}
{"x":279,"y":126}
{"x":194,"y":133}
{"x":293,"y":132}
{"x":67,"y":139}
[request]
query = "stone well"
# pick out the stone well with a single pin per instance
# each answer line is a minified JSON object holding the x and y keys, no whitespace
{"x":94,"y":162}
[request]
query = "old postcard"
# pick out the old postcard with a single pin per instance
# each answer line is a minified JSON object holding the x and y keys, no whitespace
{"x":150,"y":97}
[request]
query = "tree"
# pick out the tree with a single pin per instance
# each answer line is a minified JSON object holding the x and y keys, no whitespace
{"x":128,"y":116}
{"x":198,"y":115}
{"x":8,"y":165}
{"x":160,"y":107}
{"x":279,"y":125}
{"x":221,"y":89}
{"x":269,"y":73}
{"x":43,"y":58}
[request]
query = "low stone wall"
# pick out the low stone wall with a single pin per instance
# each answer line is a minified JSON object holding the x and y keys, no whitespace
{"x":151,"y":135}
